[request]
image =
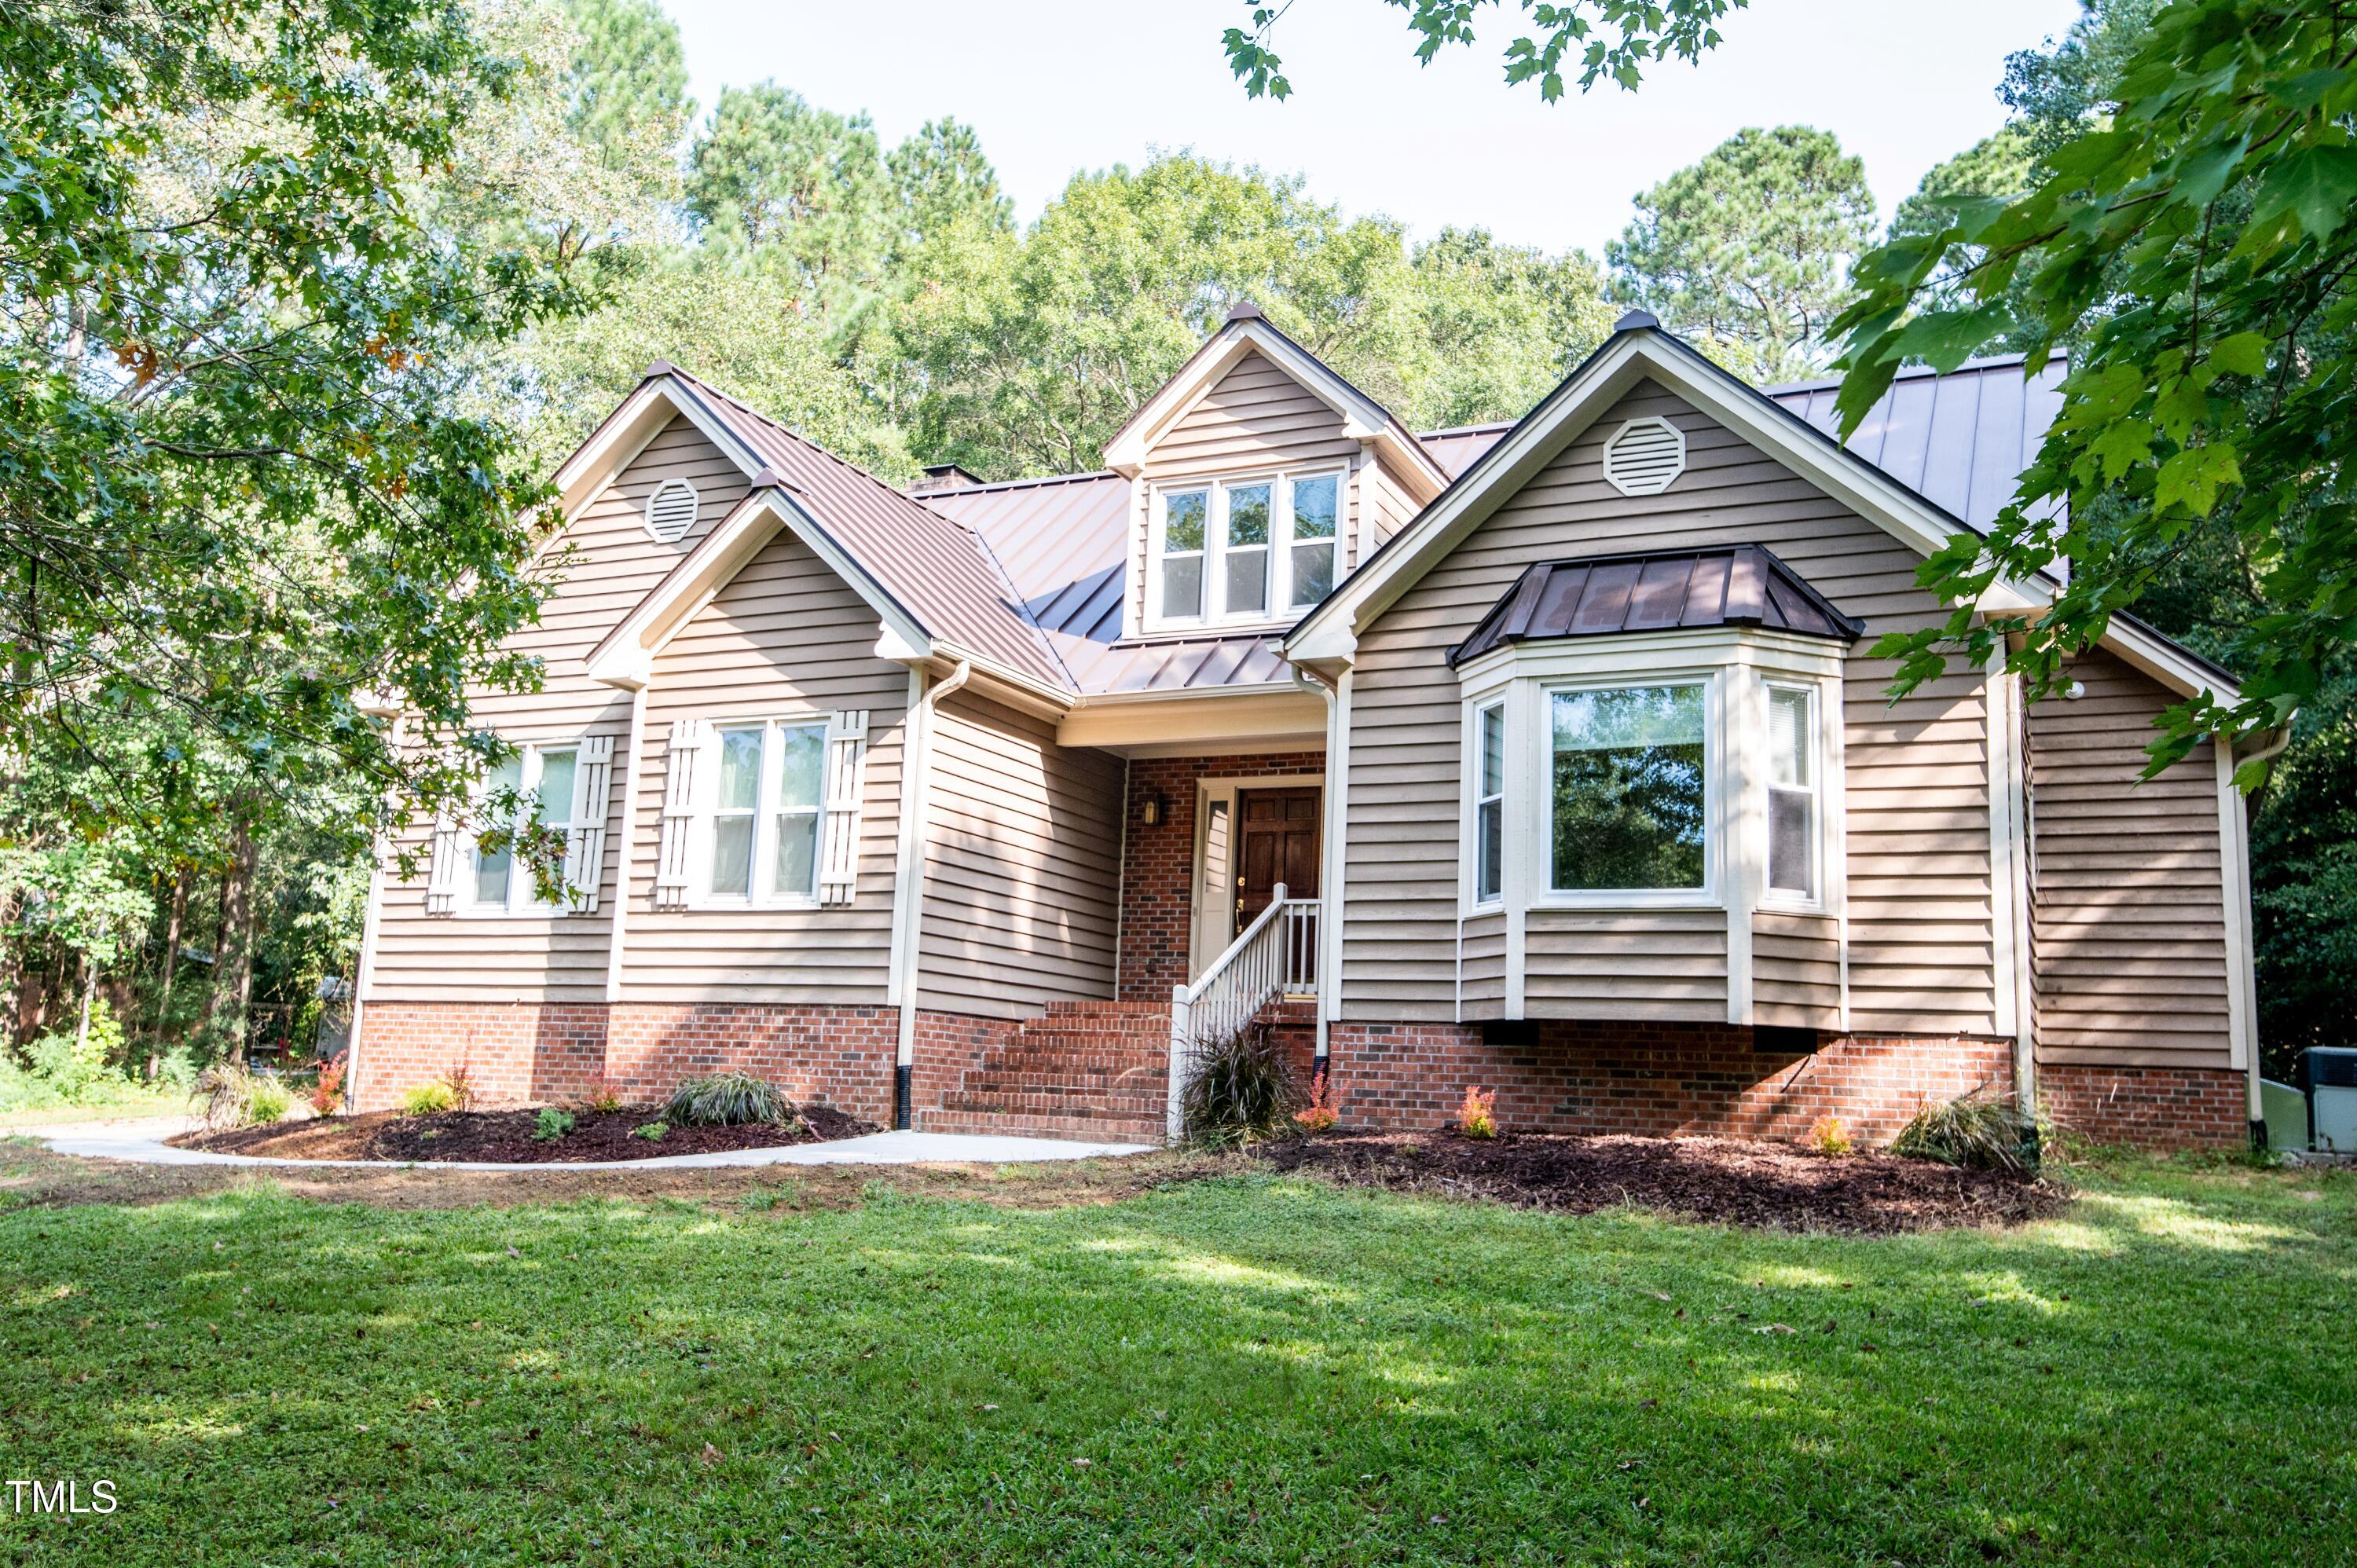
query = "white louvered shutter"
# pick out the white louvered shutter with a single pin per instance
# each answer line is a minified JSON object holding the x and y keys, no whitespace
{"x":846,"y":769}
{"x":1644,"y":457}
{"x":688,"y":738}
{"x":584,"y":846}
{"x":443,"y":865}
{"x":670,"y":511}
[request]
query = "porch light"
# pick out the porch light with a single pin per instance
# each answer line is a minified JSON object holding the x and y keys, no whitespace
{"x":1150,"y":810}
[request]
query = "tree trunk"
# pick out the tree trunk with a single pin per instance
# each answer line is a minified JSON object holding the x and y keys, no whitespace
{"x":12,"y":972}
{"x":171,"y":969}
{"x":233,"y":963}
{"x":89,"y":991}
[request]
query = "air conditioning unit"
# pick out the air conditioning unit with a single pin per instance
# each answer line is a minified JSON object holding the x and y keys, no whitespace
{"x":2332,"y":1099}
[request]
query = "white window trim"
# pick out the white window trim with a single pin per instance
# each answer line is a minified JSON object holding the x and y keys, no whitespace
{"x":1470,"y":894}
{"x":1279,"y":609}
{"x":524,"y":901}
{"x":1784,"y":900}
{"x":702,"y":837}
{"x":1735,"y":665}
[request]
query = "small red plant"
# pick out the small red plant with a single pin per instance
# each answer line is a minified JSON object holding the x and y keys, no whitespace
{"x":461,"y":1079}
{"x":604,"y":1095}
{"x":1477,"y":1117}
{"x":328,"y":1094}
{"x":1828,"y":1136}
{"x":1318,"y":1114}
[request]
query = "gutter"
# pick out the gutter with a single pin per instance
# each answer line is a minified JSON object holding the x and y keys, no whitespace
{"x":1329,"y":914}
{"x":2253,"y":1101}
{"x":909,"y":897}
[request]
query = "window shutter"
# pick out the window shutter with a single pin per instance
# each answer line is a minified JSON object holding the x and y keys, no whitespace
{"x":585,"y":851}
{"x":442,"y":865}
{"x":687,"y":743}
{"x":846,"y":755}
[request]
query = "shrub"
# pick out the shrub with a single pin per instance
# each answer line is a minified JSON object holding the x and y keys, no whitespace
{"x":328,"y":1094}
{"x":603,"y":1096}
{"x":551,"y":1125}
{"x":1242,"y":1089}
{"x":725,"y":1100}
{"x":73,"y":1063}
{"x":1318,"y":1114}
{"x":179,"y":1068}
{"x":1477,"y":1118}
{"x":429,"y":1099}
{"x":1828,"y":1136}
{"x":461,"y":1079}
{"x":233,"y":1097}
{"x":652,"y":1131}
{"x":1985,"y":1134}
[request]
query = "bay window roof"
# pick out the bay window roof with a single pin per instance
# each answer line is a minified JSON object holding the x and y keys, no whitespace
{"x":1737,"y":584}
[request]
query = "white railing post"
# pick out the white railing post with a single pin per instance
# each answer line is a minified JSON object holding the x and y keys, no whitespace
{"x":1180,"y":1010}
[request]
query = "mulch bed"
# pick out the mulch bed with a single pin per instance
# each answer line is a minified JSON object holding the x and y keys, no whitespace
{"x":505,"y":1137}
{"x":1727,"y":1180}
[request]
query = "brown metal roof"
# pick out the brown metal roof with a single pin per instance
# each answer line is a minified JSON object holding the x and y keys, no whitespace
{"x":1741,"y":584}
{"x":940,"y":571}
{"x":1959,"y":439}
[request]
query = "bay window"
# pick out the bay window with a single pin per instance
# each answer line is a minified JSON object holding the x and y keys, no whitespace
{"x":1627,"y":803}
{"x":1490,"y":804}
{"x":1241,"y":550}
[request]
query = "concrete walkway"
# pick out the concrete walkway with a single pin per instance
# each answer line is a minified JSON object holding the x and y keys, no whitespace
{"x":144,"y":1144}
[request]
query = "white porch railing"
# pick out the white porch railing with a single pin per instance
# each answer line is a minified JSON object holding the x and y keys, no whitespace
{"x":1273,"y":959}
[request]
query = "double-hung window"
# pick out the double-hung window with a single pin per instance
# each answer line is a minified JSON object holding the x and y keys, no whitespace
{"x":1793,"y":810}
{"x":1242,"y":550}
{"x":540,"y":780}
{"x":1490,"y":803}
{"x":765,"y":815}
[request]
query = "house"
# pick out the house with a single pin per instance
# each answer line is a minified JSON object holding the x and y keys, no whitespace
{"x":1550,"y":758}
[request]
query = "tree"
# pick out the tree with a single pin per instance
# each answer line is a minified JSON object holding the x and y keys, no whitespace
{"x":1748,"y":251}
{"x":233,"y":488}
{"x":942,"y":181}
{"x":806,"y":184}
{"x":1497,"y":326}
{"x":627,"y":77}
{"x":1602,"y":39}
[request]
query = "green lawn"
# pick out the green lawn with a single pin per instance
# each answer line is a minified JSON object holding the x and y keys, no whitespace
{"x":24,"y":1102}
{"x":1240,"y":1370}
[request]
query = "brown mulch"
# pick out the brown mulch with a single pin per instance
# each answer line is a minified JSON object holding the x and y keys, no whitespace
{"x":504,"y":1137}
{"x":1726,"y":1180}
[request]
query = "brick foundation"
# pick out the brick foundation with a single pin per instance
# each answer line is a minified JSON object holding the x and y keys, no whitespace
{"x":1651,"y":1078}
{"x":525,"y":1053}
{"x":1159,"y":863}
{"x":2168,"y":1106}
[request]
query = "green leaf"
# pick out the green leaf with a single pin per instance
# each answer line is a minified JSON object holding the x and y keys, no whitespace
{"x":2318,"y":185}
{"x":2120,"y":446}
{"x":2192,"y":477}
{"x":2243,"y":354}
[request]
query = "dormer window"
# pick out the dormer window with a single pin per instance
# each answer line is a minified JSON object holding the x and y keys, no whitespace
{"x":1240,"y":551}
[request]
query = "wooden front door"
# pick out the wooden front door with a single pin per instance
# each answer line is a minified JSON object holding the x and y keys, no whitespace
{"x":1277,"y":841}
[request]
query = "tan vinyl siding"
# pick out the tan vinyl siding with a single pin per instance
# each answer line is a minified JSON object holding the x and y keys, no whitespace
{"x":608,"y":561}
{"x":2128,"y":938}
{"x":1023,"y":865}
{"x":1255,"y":419}
{"x":1483,"y":986}
{"x":1796,"y":969}
{"x":1394,"y":509}
{"x":1665,"y":964}
{"x":1916,"y":775}
{"x":784,"y":638}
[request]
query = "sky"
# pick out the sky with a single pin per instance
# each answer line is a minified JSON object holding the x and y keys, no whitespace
{"x":1055,"y":87}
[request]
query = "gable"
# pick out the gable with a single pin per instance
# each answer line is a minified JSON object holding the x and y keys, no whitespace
{"x":784,"y":630}
{"x":1255,"y":416}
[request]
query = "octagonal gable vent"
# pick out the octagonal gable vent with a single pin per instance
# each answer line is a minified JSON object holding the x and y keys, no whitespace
{"x":670,"y":511}
{"x":1644,"y":457}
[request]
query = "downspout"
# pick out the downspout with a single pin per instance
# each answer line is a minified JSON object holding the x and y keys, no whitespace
{"x":2254,"y":1098}
{"x":1329,"y":906}
{"x":915,"y":768}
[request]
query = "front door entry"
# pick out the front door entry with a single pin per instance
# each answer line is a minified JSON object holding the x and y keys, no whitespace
{"x":1277,"y":841}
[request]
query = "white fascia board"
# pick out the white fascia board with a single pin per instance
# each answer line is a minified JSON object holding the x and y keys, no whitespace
{"x":626,"y":658}
{"x":1363,"y":419}
{"x":642,"y":415}
{"x":1141,"y":723}
{"x":1580,"y":401}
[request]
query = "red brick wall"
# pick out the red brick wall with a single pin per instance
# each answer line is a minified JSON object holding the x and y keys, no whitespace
{"x":1159,"y":863}
{"x":1651,"y":1079}
{"x":946,"y":1046}
{"x":2170,"y":1107}
{"x":523,"y":1053}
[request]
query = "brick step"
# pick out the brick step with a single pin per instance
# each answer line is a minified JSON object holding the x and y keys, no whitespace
{"x":1034,"y":1124}
{"x":1044,"y":1097}
{"x":1110,"y":1010}
{"x":1099,"y":1064}
{"x":1056,"y":1033}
